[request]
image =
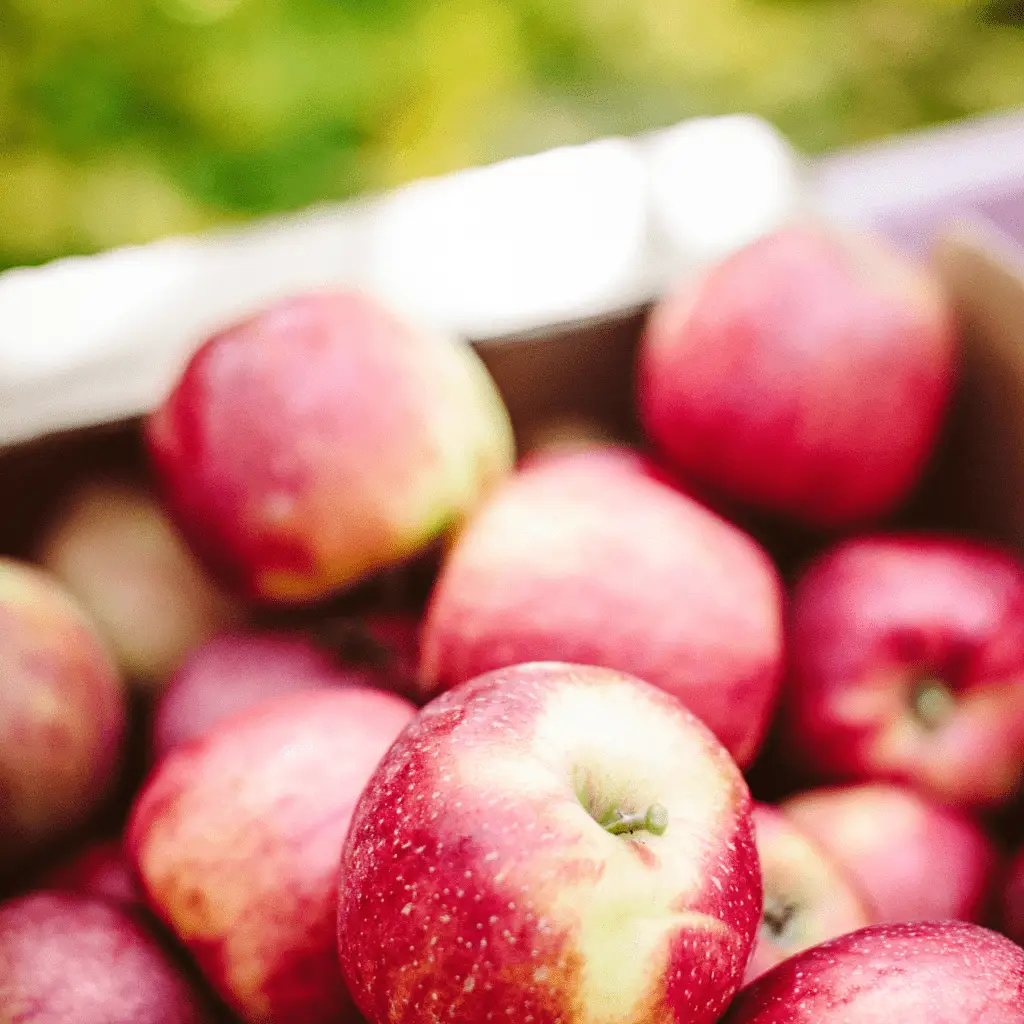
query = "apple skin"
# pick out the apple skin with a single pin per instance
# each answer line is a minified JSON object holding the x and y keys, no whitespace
{"x":591,"y":557}
{"x":879,"y":625}
{"x":806,"y":375}
{"x":324,"y":439}
{"x":808,"y":897}
{"x":101,"y":869}
{"x":115,"y":549}
{"x":236,"y":838}
{"x":913,"y":859}
{"x":62,"y":713}
{"x":66,"y":958}
{"x":948,"y":972}
{"x":1013,"y":900}
{"x":474,"y":877}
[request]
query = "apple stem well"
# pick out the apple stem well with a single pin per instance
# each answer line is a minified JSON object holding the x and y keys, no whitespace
{"x":933,"y":703}
{"x":776,"y":917}
{"x":653,"y":820}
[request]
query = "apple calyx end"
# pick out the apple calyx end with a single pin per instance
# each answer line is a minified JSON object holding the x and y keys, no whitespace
{"x":653,"y":820}
{"x":933,"y":703}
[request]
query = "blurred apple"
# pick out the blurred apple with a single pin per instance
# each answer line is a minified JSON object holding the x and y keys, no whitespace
{"x":808,"y":897}
{"x":237,"y":837}
{"x":100,"y":869}
{"x":913,"y":859}
{"x":322,"y":440}
{"x":62,"y":713}
{"x":71,"y":959}
{"x":1013,"y":900}
{"x":806,"y":375}
{"x":550,"y":842}
{"x":906,"y":664}
{"x":115,"y":549}
{"x":591,"y":557}
{"x":946,"y":972}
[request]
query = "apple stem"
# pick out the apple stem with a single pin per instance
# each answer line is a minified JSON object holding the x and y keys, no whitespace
{"x":933,"y":703}
{"x":653,"y":820}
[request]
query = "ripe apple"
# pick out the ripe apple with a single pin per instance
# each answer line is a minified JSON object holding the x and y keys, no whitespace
{"x":115,"y":549}
{"x":99,"y":869}
{"x":237,"y":836}
{"x":807,"y":375}
{"x":324,"y":439}
{"x":907,"y":664}
{"x":590,"y":557}
{"x":550,"y":843}
{"x":71,"y":959}
{"x":948,"y":972}
{"x":913,"y":859}
{"x":808,"y":897}
{"x":1013,"y":900}
{"x":62,"y":713}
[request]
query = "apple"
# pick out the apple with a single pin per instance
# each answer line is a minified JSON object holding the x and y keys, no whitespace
{"x":808,"y":897}
{"x":115,"y":549}
{"x":237,"y":836}
{"x":1013,"y":900}
{"x":72,"y":959}
{"x":62,"y":713}
{"x":98,"y":869}
{"x":235,"y":672}
{"x":907,"y":664}
{"x":806,"y":375}
{"x":591,"y":557}
{"x":912,"y":858}
{"x":948,"y":972}
{"x":324,"y":439}
{"x":550,"y":843}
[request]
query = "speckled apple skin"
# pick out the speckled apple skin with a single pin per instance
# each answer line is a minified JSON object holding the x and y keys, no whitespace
{"x":1013,"y":900}
{"x":71,"y":959}
{"x":323,"y":439}
{"x":924,"y":973}
{"x":476,"y":887}
{"x":237,"y":837}
{"x":871,"y":617}
{"x":913,"y":859}
{"x":796,"y":871}
{"x":62,"y":713}
{"x":592,"y":558}
{"x":101,"y":870}
{"x":807,"y":375}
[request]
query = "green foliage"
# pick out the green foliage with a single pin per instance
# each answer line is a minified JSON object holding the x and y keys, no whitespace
{"x":122,"y":120}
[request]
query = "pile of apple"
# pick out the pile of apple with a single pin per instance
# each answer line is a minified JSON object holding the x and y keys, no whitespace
{"x":354,"y":716}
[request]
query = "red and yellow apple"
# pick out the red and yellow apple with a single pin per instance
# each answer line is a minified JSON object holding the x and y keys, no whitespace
{"x":550,"y":843}
{"x":324,"y":439}
{"x":807,"y":375}
{"x":590,"y":557}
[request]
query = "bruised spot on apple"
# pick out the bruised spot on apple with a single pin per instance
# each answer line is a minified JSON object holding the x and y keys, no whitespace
{"x":322,"y":440}
{"x":550,"y":844}
{"x":808,"y":897}
{"x":949,"y":972}
{"x":236,"y":838}
{"x":907,"y":664}
{"x":590,"y":557}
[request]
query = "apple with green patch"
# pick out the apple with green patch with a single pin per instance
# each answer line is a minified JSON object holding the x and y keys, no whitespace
{"x":550,"y":844}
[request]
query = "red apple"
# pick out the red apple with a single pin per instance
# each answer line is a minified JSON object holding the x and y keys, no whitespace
{"x":807,"y":375}
{"x":946,"y":972}
{"x":71,"y":959}
{"x":62,"y":713}
{"x":808,"y":897}
{"x":907,"y":664}
{"x":591,"y":557}
{"x":550,"y":843}
{"x":913,"y":859}
{"x":99,"y":869}
{"x":1013,"y":900}
{"x":237,"y":837}
{"x":324,"y":439}
{"x":115,"y":549}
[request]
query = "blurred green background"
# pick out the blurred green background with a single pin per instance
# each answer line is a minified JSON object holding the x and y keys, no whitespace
{"x":124,"y":120}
